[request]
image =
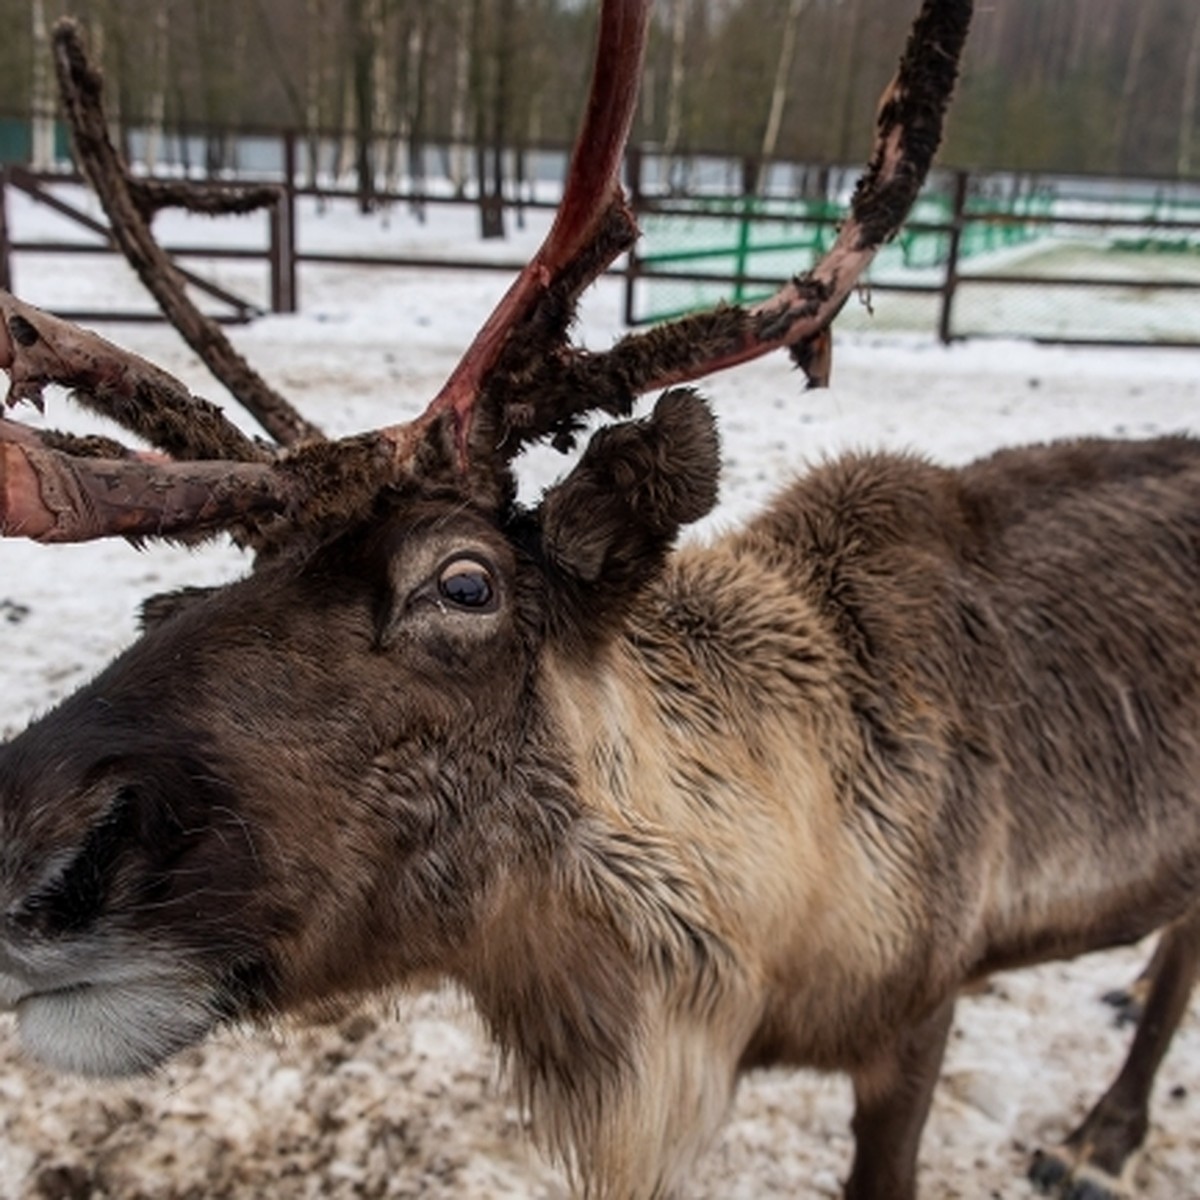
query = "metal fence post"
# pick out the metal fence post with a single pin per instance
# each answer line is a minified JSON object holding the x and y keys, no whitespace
{"x":283,"y":234}
{"x":633,"y":180}
{"x":5,"y":261}
{"x":289,"y":202}
{"x":275,"y":253}
{"x":950,"y":286}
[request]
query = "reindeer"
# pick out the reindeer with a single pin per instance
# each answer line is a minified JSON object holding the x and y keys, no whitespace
{"x":665,"y":814}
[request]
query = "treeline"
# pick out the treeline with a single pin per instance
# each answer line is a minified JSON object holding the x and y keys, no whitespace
{"x":1049,"y":85}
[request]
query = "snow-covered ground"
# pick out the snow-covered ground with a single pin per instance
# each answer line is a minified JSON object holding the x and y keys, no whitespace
{"x":403,"y":1102}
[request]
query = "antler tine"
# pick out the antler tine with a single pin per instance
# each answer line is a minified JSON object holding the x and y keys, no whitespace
{"x":592,"y":227}
{"x":908,"y":131}
{"x":49,"y":496}
{"x":37,"y":349}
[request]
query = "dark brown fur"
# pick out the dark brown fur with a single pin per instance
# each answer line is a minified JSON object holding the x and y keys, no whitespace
{"x":665,"y":816}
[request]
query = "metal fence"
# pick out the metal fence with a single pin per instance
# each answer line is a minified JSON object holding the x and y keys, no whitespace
{"x":279,"y":254}
{"x":1102,"y":261}
{"x":1078,"y":261}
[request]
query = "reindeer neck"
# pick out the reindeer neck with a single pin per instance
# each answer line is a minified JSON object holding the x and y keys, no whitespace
{"x":716,"y":726}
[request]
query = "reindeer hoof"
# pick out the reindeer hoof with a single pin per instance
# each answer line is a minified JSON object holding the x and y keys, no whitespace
{"x":1127,"y":1003}
{"x":1089,"y":1189}
{"x":1047,"y":1171}
{"x":1053,"y":1173}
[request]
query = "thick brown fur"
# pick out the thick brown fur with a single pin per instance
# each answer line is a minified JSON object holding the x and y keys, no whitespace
{"x":776,"y":799}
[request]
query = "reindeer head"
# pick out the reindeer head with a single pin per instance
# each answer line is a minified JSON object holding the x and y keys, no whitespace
{"x":318,"y":780}
{"x":277,"y":774}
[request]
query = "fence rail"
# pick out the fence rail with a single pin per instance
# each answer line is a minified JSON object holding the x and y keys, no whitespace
{"x":280,"y":254}
{"x":974,"y":235}
{"x":960,"y":221}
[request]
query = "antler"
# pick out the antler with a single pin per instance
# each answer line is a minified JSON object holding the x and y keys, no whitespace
{"x":592,"y":227}
{"x":520,"y":380}
{"x":908,"y":130}
{"x":541,"y":387}
{"x":130,"y":203}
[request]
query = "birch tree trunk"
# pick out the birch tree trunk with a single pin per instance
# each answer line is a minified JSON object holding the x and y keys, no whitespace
{"x":157,"y":107}
{"x":779,"y":90}
{"x":1129,"y":87}
{"x":42,"y":98}
{"x":675,"y":82}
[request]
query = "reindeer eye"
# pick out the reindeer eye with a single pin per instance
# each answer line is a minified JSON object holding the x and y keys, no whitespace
{"x":467,"y":583}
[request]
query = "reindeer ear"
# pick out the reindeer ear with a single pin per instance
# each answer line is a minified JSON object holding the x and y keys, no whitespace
{"x":607,"y":528}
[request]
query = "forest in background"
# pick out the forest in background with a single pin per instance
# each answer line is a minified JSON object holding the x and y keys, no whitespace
{"x":1064,"y":86}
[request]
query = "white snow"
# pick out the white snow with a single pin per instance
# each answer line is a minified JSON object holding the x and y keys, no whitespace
{"x":406,"y":1106}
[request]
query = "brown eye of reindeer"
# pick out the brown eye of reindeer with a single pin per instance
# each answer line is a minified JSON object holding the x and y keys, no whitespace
{"x":467,"y":583}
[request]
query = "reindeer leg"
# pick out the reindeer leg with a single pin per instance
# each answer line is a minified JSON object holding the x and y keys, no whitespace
{"x":892,"y":1099}
{"x":1130,"y":1002}
{"x":1095,"y":1161}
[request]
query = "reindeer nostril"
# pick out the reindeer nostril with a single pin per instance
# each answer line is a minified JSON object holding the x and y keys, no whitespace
{"x":74,"y":896}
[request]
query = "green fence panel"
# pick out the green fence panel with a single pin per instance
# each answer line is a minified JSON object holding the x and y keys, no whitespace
{"x":15,"y":140}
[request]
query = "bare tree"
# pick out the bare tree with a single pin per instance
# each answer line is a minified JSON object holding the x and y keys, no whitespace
{"x":317,"y":84}
{"x":849,"y":76}
{"x":1130,"y":83}
{"x":418,"y":51}
{"x":491,"y":71}
{"x":42,"y":99}
{"x":457,"y":167}
{"x":1187,"y":105}
{"x":779,"y":89}
{"x":365,"y":17}
{"x":157,"y":114}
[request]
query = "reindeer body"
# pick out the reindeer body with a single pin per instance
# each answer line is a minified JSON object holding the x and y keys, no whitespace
{"x":900,"y":732}
{"x":665,"y":816}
